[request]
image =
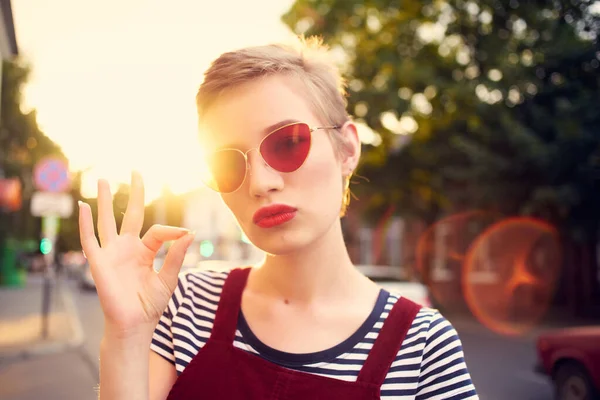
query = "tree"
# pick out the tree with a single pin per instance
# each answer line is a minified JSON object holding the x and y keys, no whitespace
{"x":22,"y":145}
{"x":489,"y":104}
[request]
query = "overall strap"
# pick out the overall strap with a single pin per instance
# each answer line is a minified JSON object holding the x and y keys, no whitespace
{"x":388,"y":342}
{"x":229,"y":305}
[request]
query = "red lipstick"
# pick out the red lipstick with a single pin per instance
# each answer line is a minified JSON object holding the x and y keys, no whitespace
{"x":273,"y":215}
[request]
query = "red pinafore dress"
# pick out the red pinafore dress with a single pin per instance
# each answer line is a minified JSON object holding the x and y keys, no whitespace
{"x":222,"y":371}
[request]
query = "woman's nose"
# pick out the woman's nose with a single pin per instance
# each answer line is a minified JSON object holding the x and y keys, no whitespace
{"x":262,"y":179}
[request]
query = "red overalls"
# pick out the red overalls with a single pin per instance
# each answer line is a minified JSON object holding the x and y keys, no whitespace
{"x":222,"y":371}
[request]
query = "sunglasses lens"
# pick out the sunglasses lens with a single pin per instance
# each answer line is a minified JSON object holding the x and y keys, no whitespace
{"x":286,"y":149}
{"x":226,"y":171}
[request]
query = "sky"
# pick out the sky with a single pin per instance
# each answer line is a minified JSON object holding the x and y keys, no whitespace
{"x":114,"y":81}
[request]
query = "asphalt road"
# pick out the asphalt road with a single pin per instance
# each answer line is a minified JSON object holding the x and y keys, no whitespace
{"x":501,"y":367}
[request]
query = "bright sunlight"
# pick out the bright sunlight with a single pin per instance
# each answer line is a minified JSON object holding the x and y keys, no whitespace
{"x":115,"y":86}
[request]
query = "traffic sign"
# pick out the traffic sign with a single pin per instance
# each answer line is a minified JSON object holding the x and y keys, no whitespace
{"x":52,"y":175}
{"x":46,"y":204}
{"x":10,"y":194}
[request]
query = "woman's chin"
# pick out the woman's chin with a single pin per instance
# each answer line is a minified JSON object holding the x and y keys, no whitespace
{"x":283,"y":244}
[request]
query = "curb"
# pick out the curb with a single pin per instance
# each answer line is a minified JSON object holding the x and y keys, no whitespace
{"x":40,"y":349}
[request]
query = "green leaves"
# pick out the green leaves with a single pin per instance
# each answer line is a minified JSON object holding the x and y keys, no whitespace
{"x":504,"y":95}
{"x":22,"y":145}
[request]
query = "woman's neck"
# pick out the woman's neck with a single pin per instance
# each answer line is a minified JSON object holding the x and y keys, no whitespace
{"x":322,"y":271}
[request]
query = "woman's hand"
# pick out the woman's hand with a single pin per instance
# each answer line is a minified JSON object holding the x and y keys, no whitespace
{"x":132,"y":295}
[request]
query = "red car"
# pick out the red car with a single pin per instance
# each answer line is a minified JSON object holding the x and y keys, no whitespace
{"x":571,"y":358}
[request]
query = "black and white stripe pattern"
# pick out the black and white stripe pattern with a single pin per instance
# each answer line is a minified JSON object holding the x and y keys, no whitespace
{"x":429,"y":365}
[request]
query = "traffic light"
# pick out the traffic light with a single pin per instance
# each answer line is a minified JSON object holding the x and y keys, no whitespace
{"x":206,"y":248}
{"x":10,"y":194}
{"x":45,"y":246}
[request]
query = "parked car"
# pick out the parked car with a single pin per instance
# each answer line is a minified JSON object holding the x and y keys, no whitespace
{"x":390,"y":278}
{"x":33,"y":262}
{"x":86,"y":282}
{"x":73,"y":262}
{"x":571,"y":358}
{"x":395,"y":280}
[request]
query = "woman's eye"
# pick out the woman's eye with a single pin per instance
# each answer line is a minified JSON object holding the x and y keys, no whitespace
{"x":288,"y":143}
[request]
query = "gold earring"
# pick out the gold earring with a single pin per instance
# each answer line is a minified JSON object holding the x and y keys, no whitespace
{"x":346,"y":198}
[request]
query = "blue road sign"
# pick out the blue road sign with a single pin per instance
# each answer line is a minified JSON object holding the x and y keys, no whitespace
{"x":52,"y":175}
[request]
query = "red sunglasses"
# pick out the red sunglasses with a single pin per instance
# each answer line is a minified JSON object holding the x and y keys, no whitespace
{"x":285,"y":150}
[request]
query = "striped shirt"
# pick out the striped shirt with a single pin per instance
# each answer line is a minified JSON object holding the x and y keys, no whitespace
{"x":429,"y":365}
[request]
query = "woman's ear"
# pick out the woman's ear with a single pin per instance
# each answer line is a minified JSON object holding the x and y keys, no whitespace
{"x":351,"y":146}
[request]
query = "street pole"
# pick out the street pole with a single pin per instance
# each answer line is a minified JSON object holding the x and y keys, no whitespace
{"x":52,"y":180}
{"x":50,"y":226}
{"x":46,"y":297}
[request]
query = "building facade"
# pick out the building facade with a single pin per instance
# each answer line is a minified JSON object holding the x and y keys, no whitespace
{"x":8,"y":39}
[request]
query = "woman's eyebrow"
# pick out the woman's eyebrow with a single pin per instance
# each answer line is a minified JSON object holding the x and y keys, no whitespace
{"x":266,"y":131}
{"x":278,"y":125}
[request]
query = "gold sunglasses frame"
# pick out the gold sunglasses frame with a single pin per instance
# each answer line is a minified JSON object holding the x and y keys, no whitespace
{"x":245,"y":154}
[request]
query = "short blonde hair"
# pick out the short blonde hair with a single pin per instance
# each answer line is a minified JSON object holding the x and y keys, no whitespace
{"x":308,"y":60}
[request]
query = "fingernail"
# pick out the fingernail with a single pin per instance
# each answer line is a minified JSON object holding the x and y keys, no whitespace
{"x":79,"y":203}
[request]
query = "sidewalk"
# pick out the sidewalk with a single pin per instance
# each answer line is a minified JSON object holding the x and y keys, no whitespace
{"x":33,"y":367}
{"x":21,"y":320}
{"x":57,"y":376}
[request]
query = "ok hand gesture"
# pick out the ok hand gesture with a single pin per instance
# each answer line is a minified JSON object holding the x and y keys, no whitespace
{"x":132,"y":295}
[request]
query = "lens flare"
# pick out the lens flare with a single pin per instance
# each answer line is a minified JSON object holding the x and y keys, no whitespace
{"x":441,"y":251}
{"x":510,"y":274}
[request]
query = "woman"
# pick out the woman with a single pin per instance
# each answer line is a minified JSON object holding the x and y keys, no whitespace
{"x":305,"y":324}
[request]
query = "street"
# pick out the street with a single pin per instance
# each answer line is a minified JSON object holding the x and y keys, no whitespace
{"x":501,"y":368}
{"x":448,"y":150}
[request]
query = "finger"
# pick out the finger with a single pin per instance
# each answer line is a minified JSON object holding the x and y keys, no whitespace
{"x":107,"y":228}
{"x":158,"y":234}
{"x":134,"y":216}
{"x":89,"y":243}
{"x":172,"y":265}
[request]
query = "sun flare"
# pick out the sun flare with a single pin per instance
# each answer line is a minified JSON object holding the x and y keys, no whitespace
{"x":117,"y":94}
